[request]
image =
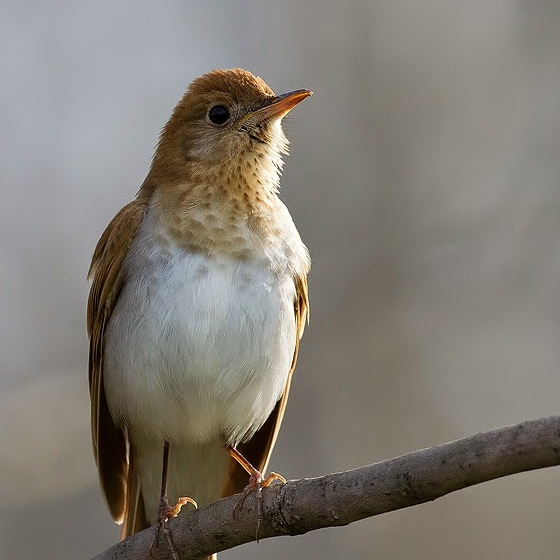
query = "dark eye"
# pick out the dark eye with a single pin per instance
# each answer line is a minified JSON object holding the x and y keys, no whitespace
{"x":218,"y":114}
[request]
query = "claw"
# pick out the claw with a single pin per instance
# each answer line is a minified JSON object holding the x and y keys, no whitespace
{"x":166,"y":512}
{"x":256,"y":483}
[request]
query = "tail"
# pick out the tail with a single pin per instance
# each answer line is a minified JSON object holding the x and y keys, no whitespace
{"x":134,"y":514}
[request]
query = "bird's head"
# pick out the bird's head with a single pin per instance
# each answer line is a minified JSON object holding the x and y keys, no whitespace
{"x":228,"y":122}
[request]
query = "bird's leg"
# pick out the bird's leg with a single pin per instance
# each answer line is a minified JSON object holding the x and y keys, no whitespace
{"x":165,"y":510}
{"x":256,"y":482}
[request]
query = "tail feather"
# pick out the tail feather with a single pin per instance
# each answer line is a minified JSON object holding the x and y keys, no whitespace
{"x":134,"y":514}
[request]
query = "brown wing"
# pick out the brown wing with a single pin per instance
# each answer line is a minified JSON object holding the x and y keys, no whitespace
{"x":109,"y":441}
{"x":258,"y":449}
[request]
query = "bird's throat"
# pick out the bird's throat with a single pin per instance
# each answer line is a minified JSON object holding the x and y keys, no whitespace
{"x":232,"y":218}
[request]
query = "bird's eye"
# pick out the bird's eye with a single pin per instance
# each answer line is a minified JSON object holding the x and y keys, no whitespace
{"x":218,"y":114}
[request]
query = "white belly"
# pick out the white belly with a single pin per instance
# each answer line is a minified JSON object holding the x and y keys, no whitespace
{"x":198,"y":349}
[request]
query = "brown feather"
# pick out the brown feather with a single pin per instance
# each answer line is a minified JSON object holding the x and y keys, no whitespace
{"x":134,"y":516}
{"x":182,"y":184}
{"x":109,"y":441}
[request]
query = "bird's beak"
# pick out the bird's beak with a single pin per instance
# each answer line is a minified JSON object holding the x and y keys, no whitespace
{"x":279,"y":106}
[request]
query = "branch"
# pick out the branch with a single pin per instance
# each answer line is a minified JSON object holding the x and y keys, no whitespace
{"x":338,"y":499}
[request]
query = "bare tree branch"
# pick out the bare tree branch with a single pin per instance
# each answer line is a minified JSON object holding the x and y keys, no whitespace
{"x":337,"y":499}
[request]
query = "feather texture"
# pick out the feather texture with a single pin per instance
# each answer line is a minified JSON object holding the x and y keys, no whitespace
{"x":197,"y":305}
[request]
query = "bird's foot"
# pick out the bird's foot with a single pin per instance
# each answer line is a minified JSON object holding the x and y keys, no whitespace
{"x":165,"y":512}
{"x":257,"y":483}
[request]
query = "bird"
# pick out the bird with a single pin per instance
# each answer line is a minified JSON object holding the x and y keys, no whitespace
{"x":197,"y":305}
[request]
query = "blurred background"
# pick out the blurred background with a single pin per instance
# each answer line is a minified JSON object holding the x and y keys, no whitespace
{"x":424,"y":179}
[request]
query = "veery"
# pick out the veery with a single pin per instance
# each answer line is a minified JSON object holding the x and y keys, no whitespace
{"x":197,"y":305}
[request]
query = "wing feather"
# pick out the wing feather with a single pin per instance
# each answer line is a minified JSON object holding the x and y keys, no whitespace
{"x":109,"y":441}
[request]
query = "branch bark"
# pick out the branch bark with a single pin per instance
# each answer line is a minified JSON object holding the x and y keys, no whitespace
{"x":338,"y":499}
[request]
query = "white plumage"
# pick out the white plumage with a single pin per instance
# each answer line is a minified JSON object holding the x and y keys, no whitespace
{"x":176,"y":309}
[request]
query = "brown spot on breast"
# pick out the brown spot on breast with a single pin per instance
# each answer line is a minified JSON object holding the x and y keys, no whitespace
{"x":241,"y":254}
{"x":238,"y":240}
{"x":193,"y":224}
{"x":218,"y":233}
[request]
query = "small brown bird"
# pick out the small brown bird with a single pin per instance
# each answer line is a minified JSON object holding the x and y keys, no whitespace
{"x":197,"y":305}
